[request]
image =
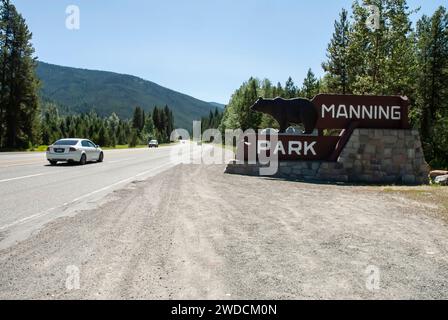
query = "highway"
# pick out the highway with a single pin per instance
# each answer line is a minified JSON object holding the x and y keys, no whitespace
{"x":34,"y":193}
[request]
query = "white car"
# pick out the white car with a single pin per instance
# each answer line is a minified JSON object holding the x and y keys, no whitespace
{"x":269,"y":131}
{"x":153,"y":144}
{"x":74,"y":150}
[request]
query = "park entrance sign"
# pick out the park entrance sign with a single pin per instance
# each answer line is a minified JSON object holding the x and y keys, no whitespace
{"x":325,"y":112}
{"x":350,"y":138}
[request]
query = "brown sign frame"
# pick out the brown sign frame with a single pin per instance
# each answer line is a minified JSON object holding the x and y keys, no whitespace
{"x":335,"y":111}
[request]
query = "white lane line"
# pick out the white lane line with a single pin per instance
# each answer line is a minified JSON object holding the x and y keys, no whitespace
{"x":26,"y":219}
{"x":41,"y":214}
{"x":24,"y":177}
{"x":35,"y":163}
{"x":119,"y":182}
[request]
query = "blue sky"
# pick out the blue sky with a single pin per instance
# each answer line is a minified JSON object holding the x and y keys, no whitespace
{"x":204,"y":48}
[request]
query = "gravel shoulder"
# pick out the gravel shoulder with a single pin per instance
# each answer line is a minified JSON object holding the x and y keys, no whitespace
{"x":195,"y":233}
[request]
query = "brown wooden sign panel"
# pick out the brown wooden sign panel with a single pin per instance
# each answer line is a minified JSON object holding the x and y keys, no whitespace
{"x":375,"y":112}
{"x":291,"y":147}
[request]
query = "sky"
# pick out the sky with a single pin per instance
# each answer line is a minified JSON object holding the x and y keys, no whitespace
{"x":203,"y":48}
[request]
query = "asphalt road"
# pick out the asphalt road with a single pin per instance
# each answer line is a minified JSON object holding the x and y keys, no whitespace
{"x":34,"y":193}
{"x":193,"y":232}
{"x":139,"y":226}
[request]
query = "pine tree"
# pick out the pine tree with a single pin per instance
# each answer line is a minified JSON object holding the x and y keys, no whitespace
{"x":248,"y":118}
{"x":366,"y":50}
{"x":338,"y":78}
{"x":156,"y":118}
{"x":382,"y":61}
{"x":138,"y":119}
{"x":431,"y":110}
{"x":19,"y":85}
{"x":278,"y":90}
{"x":148,"y":129}
{"x":5,"y":44}
{"x":169,"y":125}
{"x":290,"y":89}
{"x":399,"y":66}
{"x":103,"y":138}
{"x":310,"y":86}
{"x":142,"y":123}
{"x":133,"y":138}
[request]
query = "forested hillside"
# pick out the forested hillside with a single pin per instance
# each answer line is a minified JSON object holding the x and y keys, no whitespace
{"x":83,"y":90}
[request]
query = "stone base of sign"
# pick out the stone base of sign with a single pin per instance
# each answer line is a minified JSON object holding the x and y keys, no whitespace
{"x":375,"y":156}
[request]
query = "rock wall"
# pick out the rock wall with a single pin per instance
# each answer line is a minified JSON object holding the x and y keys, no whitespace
{"x":377,"y":156}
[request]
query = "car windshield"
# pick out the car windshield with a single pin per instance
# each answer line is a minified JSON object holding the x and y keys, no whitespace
{"x":153,"y":141}
{"x":66,"y":142}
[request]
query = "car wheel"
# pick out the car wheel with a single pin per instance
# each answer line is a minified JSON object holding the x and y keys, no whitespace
{"x":101,"y":157}
{"x":83,"y":160}
{"x":53,"y":163}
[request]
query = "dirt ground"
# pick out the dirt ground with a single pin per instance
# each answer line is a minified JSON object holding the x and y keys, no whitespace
{"x":196,"y":233}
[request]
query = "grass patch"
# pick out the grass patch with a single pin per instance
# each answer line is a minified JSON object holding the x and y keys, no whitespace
{"x":125,"y":146}
{"x":432,"y":194}
{"x":141,"y":146}
{"x":41,"y":148}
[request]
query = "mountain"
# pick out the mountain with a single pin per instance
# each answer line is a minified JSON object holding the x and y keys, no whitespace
{"x":81,"y":90}
{"x":218,"y":105}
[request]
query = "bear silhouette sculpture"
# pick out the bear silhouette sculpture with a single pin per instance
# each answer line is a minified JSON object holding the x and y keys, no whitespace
{"x":289,"y":112}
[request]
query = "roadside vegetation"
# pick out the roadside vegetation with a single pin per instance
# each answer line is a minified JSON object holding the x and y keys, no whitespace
{"x":398,"y":58}
{"x":110,"y":131}
{"x":433,"y":195}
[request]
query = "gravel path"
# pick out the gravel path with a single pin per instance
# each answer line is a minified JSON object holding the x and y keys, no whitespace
{"x":193,"y":232}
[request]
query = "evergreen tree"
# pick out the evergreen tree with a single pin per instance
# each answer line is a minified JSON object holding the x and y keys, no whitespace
{"x":400,"y":64}
{"x":133,"y":139}
{"x":168,"y":125}
{"x":290,"y":89}
{"x":156,"y":118}
{"x":248,"y":118}
{"x":138,"y":119}
{"x":19,"y":111}
{"x":103,"y":138}
{"x":213,"y":120}
{"x":278,"y":91}
{"x":50,"y":125}
{"x":338,"y":80}
{"x":237,"y":114}
{"x":366,"y":51}
{"x":310,"y":86}
{"x":382,"y":61}
{"x":143,"y":119}
{"x":431,"y":109}
{"x":148,"y":130}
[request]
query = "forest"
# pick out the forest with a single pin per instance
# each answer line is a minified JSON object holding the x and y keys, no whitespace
{"x":398,"y":58}
{"x":110,"y":131}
